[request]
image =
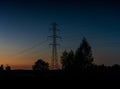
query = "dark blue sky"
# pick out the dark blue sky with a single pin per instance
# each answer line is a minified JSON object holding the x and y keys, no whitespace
{"x":24,"y":23}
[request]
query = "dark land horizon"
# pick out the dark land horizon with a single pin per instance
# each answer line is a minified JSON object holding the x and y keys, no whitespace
{"x":89,"y":49}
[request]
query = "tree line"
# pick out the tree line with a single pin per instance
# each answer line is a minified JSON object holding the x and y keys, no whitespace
{"x":80,"y":59}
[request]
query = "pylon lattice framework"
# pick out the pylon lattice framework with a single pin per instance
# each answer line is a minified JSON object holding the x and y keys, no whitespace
{"x":54,"y":57}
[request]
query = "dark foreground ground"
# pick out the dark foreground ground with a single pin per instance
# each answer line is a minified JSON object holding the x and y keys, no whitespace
{"x":59,"y":79}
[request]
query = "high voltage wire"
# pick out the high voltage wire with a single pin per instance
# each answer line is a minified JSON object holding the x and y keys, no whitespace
{"x":29,"y":48}
{"x":36,"y":45}
{"x":32,"y":47}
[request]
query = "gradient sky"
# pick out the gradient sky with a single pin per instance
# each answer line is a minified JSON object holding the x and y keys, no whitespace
{"x":25,"y":23}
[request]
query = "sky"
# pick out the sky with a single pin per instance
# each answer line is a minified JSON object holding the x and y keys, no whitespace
{"x":25,"y":27}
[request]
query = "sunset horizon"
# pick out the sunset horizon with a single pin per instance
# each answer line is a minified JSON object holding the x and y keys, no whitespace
{"x":25,"y":30}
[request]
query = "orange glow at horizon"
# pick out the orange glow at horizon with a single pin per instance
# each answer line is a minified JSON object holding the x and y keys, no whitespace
{"x":21,"y":62}
{"x":10,"y":55}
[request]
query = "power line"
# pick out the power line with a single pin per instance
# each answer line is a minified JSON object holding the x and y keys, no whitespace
{"x":32,"y":47}
{"x":29,"y":48}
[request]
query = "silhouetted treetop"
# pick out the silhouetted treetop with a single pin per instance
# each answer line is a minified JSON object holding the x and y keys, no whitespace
{"x":67,"y":59}
{"x":82,"y":58}
{"x":7,"y":68}
{"x":1,"y":67}
{"x":64,"y":60}
{"x":40,"y":65}
{"x":83,"y":55}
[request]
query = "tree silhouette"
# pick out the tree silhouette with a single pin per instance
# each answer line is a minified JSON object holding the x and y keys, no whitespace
{"x":40,"y":65}
{"x":7,"y":68}
{"x":83,"y":55}
{"x":64,"y":59}
{"x":1,"y":67}
{"x":116,"y":67}
{"x":81,"y":59}
{"x":67,"y":59}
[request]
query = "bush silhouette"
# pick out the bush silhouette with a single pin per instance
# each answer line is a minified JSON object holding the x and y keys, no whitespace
{"x":7,"y":68}
{"x":40,"y":65}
